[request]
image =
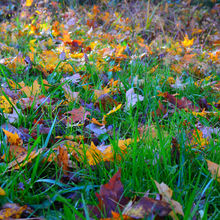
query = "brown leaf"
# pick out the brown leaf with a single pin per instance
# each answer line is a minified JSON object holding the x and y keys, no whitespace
{"x":106,"y":101}
{"x":63,"y":159}
{"x":12,"y":211}
{"x":148,"y":206}
{"x":214,"y":169}
{"x":180,"y":103}
{"x":78,"y":115}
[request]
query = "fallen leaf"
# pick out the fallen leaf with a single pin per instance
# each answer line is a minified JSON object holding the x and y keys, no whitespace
{"x":115,"y":109}
{"x":147,"y":207}
{"x":13,"y":211}
{"x":96,"y":129}
{"x":111,"y":196}
{"x":214,"y":169}
{"x":14,"y":116}
{"x":32,"y":90}
{"x":2,"y":192}
{"x":23,"y":160}
{"x":132,"y":98}
{"x":69,"y":94}
{"x":106,"y":101}
{"x":182,"y":103}
{"x":63,"y":158}
{"x":167,"y":193}
{"x":13,"y":139}
{"x":29,"y":3}
{"x":77,"y":115}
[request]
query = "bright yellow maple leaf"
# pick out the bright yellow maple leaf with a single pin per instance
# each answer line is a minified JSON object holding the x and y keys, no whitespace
{"x":29,"y":3}
{"x":91,"y":153}
{"x":187,"y":42}
{"x":77,"y":56}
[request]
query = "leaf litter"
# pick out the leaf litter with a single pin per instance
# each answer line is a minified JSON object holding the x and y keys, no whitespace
{"x":52,"y":74}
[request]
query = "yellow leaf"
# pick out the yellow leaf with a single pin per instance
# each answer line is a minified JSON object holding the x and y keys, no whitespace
{"x":77,"y":56}
{"x":214,"y":170}
{"x":91,"y":153}
{"x":16,"y":164}
{"x":5,"y":105}
{"x":98,"y":93}
{"x":198,"y":139}
{"x":29,"y":3}
{"x":13,"y":139}
{"x":2,"y":192}
{"x":32,"y":90}
{"x":110,"y":112}
{"x":187,"y":42}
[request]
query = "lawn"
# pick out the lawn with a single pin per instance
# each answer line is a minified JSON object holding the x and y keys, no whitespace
{"x":109,"y":109}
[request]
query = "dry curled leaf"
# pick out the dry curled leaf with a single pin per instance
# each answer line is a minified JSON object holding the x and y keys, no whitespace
{"x":167,"y":193}
{"x":214,"y":169}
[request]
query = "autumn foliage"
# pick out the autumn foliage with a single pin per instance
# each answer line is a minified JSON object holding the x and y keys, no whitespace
{"x":100,"y":102}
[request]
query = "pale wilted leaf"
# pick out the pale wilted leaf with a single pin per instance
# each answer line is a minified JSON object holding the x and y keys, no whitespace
{"x":167,"y":193}
{"x":132,"y":98}
{"x":214,"y":169}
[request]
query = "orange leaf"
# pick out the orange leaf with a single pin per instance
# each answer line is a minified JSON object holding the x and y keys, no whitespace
{"x":2,"y":192}
{"x":13,"y":139}
{"x":63,"y":158}
{"x":32,"y":90}
{"x":28,"y":158}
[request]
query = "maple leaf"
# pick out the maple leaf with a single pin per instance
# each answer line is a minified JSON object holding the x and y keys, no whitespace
{"x":84,"y":152}
{"x":110,"y":197}
{"x":77,"y":115}
{"x":187,"y":42}
{"x":182,"y":103}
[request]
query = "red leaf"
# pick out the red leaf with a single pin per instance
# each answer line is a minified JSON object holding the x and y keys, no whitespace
{"x":111,"y":196}
{"x":180,"y":103}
